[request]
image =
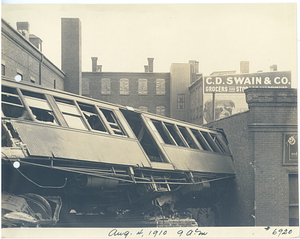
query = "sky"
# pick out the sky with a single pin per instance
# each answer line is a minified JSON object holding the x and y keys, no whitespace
{"x":123,"y":36}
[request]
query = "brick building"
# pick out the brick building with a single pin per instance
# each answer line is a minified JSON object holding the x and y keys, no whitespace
{"x":147,"y":91}
{"x":262,"y":139}
{"x":22,"y":55}
{"x":263,"y":142}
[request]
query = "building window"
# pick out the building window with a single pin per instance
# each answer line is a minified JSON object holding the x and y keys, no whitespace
{"x":293,"y":200}
{"x":32,"y":80}
{"x":161,"y":110}
{"x":181,"y":101}
{"x":143,"y":108}
{"x":143,"y":87}
{"x":105,"y":86}
{"x":19,"y":77}
{"x":124,"y":86}
{"x":290,"y":149}
{"x":2,"y":69}
{"x":54,"y":84}
{"x":160,"y":87}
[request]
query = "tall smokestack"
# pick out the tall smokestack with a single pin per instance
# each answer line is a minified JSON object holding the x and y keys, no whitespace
{"x":194,"y":66}
{"x":273,"y":68}
{"x":146,"y":68}
{"x":71,"y":55}
{"x":150,"y":64}
{"x":244,"y":67}
{"x":94,"y":64}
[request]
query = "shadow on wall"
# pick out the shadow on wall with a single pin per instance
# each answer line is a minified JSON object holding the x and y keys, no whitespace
{"x":223,"y":108}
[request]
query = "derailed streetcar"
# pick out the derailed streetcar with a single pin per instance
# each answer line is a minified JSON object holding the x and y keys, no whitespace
{"x":65,"y":153}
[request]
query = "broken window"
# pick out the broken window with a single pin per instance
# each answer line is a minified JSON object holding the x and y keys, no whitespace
{"x":221,"y":145}
{"x":70,"y":113}
{"x":211,"y":142}
{"x":175,"y":134}
{"x":187,"y":137}
{"x":112,"y":121}
{"x":11,"y":103}
{"x":163,"y":132}
{"x":39,"y":106}
{"x":145,"y":138}
{"x":92,"y":117}
{"x":201,"y":139}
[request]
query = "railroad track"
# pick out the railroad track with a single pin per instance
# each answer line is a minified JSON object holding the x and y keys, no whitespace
{"x":98,"y":221}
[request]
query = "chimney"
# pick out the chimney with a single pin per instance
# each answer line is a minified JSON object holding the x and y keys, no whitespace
{"x":194,"y":66}
{"x":23,"y":28}
{"x":99,"y":68}
{"x":146,"y":68}
{"x":150,"y":64}
{"x":71,"y":54}
{"x":244,"y":67}
{"x":36,"y":41}
{"x":273,"y":68}
{"x":94,"y":64}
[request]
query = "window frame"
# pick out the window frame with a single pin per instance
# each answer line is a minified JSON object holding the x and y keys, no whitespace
{"x":160,"y":86}
{"x":160,"y":109}
{"x":124,"y":82}
{"x":141,"y":83}
{"x":104,"y":83}
{"x":181,"y":101}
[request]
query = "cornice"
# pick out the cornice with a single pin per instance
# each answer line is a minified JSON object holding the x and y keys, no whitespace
{"x":21,"y":42}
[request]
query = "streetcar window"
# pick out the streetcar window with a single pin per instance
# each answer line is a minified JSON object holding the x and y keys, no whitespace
{"x":11,"y":103}
{"x":39,"y":106}
{"x":175,"y":134}
{"x":221,"y":145}
{"x":91,"y":115}
{"x":112,"y":121}
{"x":165,"y":135}
{"x":211,"y":142}
{"x":187,"y":137}
{"x":200,"y":139}
{"x":70,"y":113}
{"x":144,"y":136}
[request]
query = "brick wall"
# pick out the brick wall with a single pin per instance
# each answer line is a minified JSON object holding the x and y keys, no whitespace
{"x":272,"y":112}
{"x":260,"y":194}
{"x":241,"y":193}
{"x":19,"y":56}
{"x":151,"y":100}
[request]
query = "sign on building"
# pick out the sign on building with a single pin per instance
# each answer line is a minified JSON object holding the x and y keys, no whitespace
{"x":290,"y":148}
{"x":237,"y":83}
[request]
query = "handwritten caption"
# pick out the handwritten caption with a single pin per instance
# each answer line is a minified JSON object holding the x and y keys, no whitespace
{"x":156,"y":233}
{"x":279,"y":232}
{"x":193,"y":232}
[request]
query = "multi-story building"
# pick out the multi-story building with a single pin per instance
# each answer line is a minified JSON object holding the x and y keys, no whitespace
{"x":262,"y":139}
{"x":22,"y":56}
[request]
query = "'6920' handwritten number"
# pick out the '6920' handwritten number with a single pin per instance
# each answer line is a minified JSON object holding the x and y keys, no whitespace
{"x":281,"y":232}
